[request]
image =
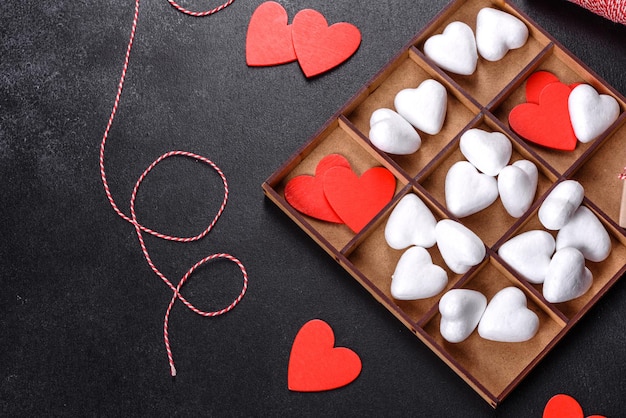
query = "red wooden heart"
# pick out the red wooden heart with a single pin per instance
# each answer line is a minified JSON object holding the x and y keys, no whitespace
{"x":536,"y":83}
{"x":268,"y":41}
{"x":358,"y":199}
{"x":320,"y":47}
{"x":315,"y":364}
{"x":546,"y":123}
{"x":564,"y":406}
{"x":306,"y":193}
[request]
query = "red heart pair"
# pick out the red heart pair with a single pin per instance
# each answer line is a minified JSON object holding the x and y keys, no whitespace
{"x":564,"y":406}
{"x":337,"y":194}
{"x":317,"y":46}
{"x":545,"y":118}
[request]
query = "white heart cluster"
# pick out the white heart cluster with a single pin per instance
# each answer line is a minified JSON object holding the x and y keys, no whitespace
{"x":471,"y":185}
{"x":412,"y":225}
{"x":423,"y":108}
{"x":456,"y":49}
{"x":559,"y":264}
{"x":506,"y":318}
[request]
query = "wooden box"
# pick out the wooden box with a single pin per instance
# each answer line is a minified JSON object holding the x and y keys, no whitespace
{"x":481,"y":100}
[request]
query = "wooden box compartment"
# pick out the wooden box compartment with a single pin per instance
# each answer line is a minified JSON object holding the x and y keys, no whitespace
{"x":482,"y":100}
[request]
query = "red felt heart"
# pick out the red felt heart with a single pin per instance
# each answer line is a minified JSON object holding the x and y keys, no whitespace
{"x":564,"y":406}
{"x":536,"y":83}
{"x":358,"y":199}
{"x":320,"y":47}
{"x":315,"y":364}
{"x":306,"y":193}
{"x":546,"y":123}
{"x":268,"y":41}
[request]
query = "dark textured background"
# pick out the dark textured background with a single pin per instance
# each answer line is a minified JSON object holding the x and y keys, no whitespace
{"x":81,"y":313}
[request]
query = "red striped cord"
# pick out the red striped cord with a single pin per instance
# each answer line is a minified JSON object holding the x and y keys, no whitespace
{"x":139,"y":228}
{"x":623,"y":175}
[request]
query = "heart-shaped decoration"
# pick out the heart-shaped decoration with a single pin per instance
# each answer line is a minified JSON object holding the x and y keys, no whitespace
{"x":410,"y":223}
{"x":453,"y":50}
{"x":591,"y":113}
{"x":315,"y":364}
{"x":517,"y":186}
{"x":497,"y":32}
{"x":507,"y":318}
{"x":559,"y":206}
{"x":564,"y":406}
{"x":567,"y":277}
{"x":416,"y":277}
{"x":424,"y":107}
{"x":489,"y":152}
{"x":358,"y":199}
{"x":585,"y":232}
{"x":460,"y":248}
{"x":468,"y":191}
{"x":536,"y":83}
{"x":320,"y":47}
{"x":529,"y":254}
{"x":268,"y":41}
{"x":306,"y":193}
{"x":391,"y":133}
{"x":548,"y":122}
{"x":461,"y":310}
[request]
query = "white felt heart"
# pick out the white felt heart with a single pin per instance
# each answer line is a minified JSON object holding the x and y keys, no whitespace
{"x":390,"y":132}
{"x":517,"y":185}
{"x":410,"y":223}
{"x":453,"y":50}
{"x":507,"y":318}
{"x":529,"y":254}
{"x":560,"y":204}
{"x":461,"y":310}
{"x":567,"y":277}
{"x":585,"y":232}
{"x":591,"y":113}
{"x":489,"y":152}
{"x":416,"y":277}
{"x":424,"y":107}
{"x":467,"y":191}
{"x":460,"y":248}
{"x":497,"y":32}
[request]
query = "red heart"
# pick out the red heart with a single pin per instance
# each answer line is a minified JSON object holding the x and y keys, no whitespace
{"x":268,"y":41}
{"x":320,"y":47}
{"x":358,"y":199}
{"x":315,"y":364}
{"x":546,"y":123}
{"x":564,"y":406}
{"x":306,"y":193}
{"x":536,"y":83}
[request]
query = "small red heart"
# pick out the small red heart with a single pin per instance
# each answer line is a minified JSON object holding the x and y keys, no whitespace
{"x":306,"y":193}
{"x":564,"y":406}
{"x":546,"y":123}
{"x":536,"y":83}
{"x":358,"y":199}
{"x":315,"y":364}
{"x":268,"y":41}
{"x":320,"y":47}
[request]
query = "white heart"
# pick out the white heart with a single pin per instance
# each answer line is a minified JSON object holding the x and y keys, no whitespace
{"x":390,"y":132}
{"x":529,"y":254}
{"x":410,"y":223}
{"x":461,"y":310}
{"x":585,"y":232}
{"x":460,"y":248}
{"x":489,"y":152}
{"x":454,"y":50}
{"x":507,"y":318}
{"x":591,"y":113}
{"x":416,"y":277}
{"x":424,"y":107}
{"x":517,"y":185}
{"x":497,"y":32}
{"x":567,"y":277}
{"x":559,"y":206}
{"x":467,"y":191}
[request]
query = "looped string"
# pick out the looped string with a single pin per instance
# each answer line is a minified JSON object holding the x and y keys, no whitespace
{"x":140,"y":229}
